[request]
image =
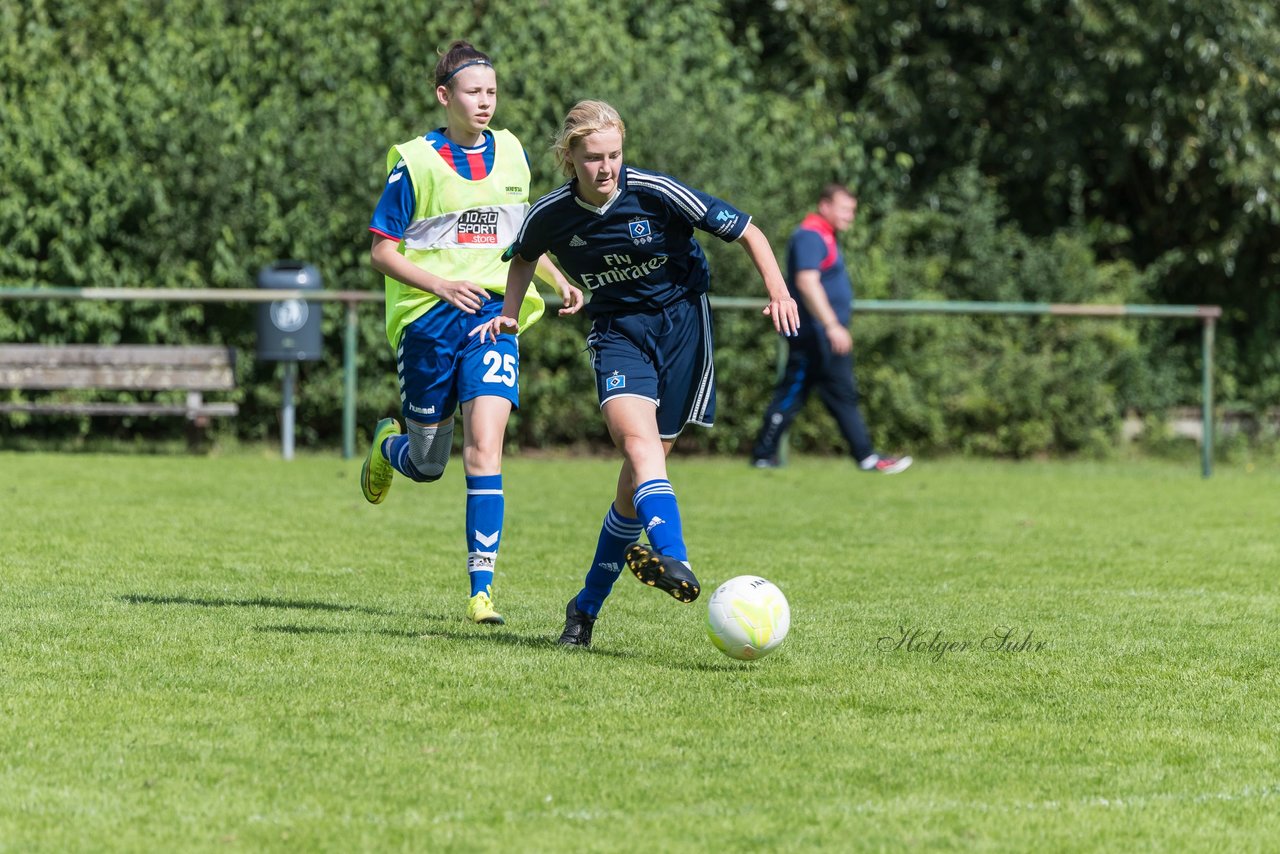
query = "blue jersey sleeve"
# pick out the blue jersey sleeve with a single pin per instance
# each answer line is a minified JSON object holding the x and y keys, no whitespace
{"x":701,"y":210}
{"x":722,"y":219}
{"x":395,"y":207}
{"x":808,"y":252}
{"x":531,"y":241}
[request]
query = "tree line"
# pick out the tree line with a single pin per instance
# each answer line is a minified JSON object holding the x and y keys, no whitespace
{"x":1046,"y":150}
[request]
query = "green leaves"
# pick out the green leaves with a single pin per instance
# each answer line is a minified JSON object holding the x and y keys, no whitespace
{"x":1064,"y":150}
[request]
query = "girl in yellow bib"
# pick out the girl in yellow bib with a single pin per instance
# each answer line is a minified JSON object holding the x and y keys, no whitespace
{"x":453,"y":202}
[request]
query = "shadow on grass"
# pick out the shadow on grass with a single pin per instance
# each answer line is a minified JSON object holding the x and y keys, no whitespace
{"x":326,"y":630}
{"x":256,"y":602}
{"x":511,"y":639}
{"x":498,"y":637}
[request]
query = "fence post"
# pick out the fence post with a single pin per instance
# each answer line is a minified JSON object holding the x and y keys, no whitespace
{"x":784,"y":441}
{"x":349,"y":381}
{"x":1206,"y":398}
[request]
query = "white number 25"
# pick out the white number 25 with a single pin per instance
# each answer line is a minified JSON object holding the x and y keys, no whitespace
{"x":502,"y":368}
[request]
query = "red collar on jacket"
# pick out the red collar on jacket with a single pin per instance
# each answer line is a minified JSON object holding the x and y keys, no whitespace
{"x":813,"y":222}
{"x":827,"y":232}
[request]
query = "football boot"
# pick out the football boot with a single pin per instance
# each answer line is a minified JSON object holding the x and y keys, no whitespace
{"x":376,"y":474}
{"x":665,"y":573}
{"x":577,"y":626}
{"x":480,"y":610}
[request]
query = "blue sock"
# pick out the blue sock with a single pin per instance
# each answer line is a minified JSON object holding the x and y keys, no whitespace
{"x":616,"y":534}
{"x":485,"y":506}
{"x":655,"y":502}
{"x":396,"y":450}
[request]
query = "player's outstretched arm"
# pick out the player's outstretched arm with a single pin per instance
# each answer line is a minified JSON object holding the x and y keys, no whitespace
{"x":781,"y":308}
{"x":519,"y":275}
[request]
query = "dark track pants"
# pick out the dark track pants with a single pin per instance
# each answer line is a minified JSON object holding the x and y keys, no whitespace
{"x":811,"y":365}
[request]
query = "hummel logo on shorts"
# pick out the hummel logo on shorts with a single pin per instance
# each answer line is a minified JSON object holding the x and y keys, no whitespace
{"x":577,"y":241}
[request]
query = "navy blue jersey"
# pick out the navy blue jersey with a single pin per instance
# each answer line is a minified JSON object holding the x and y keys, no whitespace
{"x":813,"y":247}
{"x":638,"y":251}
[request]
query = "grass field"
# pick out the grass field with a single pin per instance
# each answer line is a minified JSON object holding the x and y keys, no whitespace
{"x":237,"y":653}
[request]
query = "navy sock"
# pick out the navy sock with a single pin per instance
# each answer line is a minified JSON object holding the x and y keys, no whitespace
{"x":485,"y":507}
{"x":655,"y":502}
{"x":616,"y":534}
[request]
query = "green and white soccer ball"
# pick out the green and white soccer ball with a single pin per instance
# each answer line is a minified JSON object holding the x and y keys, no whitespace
{"x":748,"y":617}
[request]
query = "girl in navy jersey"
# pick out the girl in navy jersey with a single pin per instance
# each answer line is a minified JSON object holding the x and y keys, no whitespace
{"x":626,"y":235}
{"x":453,"y":200}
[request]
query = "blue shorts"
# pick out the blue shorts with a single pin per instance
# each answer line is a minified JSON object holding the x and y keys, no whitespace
{"x":440,"y":366}
{"x":662,"y":355}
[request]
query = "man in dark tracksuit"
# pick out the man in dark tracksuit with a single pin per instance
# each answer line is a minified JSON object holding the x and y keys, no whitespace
{"x":821,"y":355}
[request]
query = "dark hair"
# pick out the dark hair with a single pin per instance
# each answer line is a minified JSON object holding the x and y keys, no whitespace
{"x":457,"y":55}
{"x":830,"y":191}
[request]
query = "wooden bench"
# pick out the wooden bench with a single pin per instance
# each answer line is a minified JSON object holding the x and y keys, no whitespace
{"x":194,"y":370}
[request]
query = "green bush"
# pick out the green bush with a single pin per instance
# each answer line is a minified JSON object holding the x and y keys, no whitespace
{"x":187,"y":145}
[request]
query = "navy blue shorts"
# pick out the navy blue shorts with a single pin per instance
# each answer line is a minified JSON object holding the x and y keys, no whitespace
{"x":440,"y":366}
{"x":663,"y":356}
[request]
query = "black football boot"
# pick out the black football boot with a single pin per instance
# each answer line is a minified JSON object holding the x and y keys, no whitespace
{"x":577,"y":626}
{"x":662,"y":572}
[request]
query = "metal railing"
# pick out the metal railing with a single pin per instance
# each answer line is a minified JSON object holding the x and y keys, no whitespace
{"x":1206,"y":314}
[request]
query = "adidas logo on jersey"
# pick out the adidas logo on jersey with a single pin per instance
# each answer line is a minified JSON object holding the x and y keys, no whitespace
{"x":577,"y":241}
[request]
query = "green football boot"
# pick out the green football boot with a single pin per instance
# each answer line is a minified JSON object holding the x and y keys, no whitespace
{"x":480,"y":610}
{"x":376,"y":474}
